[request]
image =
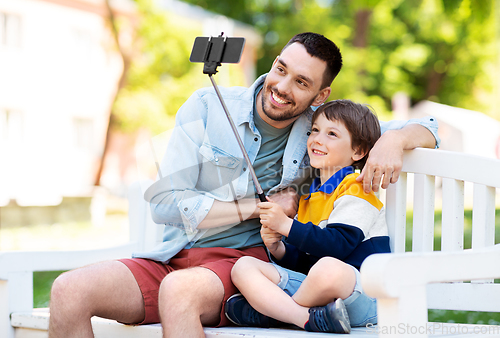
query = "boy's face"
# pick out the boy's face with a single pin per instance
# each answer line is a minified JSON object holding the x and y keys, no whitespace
{"x":329,"y":146}
{"x":292,"y":85}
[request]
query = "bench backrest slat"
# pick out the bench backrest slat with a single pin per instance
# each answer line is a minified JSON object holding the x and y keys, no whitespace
{"x":396,"y":213}
{"x":423,"y":213}
{"x":452,"y":228}
{"x":441,"y":180}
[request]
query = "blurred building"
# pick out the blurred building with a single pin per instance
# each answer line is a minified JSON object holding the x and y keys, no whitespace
{"x":460,"y":130}
{"x":59,"y":72}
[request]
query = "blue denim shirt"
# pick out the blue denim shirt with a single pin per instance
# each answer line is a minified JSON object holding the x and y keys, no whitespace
{"x":203,"y":163}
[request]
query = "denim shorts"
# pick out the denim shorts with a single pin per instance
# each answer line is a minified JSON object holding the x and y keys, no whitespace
{"x":362,"y":309}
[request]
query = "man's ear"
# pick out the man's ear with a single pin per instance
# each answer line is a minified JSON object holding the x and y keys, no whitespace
{"x":322,"y":96}
{"x":358,"y":154}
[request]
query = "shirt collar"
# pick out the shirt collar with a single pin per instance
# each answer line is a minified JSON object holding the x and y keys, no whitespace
{"x":250,"y":94}
{"x":332,"y":183}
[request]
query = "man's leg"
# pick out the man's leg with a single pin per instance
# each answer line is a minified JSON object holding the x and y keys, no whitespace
{"x":106,"y":289}
{"x":189,"y":299}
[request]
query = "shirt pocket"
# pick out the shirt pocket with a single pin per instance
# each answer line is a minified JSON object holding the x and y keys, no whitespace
{"x":217,"y":169}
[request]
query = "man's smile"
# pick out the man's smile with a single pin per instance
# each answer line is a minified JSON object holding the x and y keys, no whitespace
{"x":278,"y":100}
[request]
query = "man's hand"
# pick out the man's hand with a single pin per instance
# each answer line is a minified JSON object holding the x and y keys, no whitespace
{"x":273,"y":217}
{"x":288,"y":199}
{"x":384,"y":163}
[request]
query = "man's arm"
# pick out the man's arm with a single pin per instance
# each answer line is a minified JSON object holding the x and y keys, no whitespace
{"x":224,"y":213}
{"x":385,"y":160}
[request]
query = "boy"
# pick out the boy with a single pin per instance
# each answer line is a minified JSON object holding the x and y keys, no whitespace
{"x":337,"y":227}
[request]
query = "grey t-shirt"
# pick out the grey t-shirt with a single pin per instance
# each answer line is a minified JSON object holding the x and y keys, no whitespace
{"x":268,"y":168}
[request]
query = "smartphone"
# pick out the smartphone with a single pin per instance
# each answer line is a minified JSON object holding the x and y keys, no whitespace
{"x":207,"y":49}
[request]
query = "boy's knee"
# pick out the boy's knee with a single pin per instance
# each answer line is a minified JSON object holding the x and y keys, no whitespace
{"x":241,"y":268}
{"x":328,"y":270}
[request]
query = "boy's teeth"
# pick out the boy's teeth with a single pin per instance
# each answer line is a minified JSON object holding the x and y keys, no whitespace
{"x":319,"y":152}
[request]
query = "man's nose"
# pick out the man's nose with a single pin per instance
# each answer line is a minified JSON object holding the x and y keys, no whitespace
{"x":284,"y":86}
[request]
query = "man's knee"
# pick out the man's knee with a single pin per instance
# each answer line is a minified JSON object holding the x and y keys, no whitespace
{"x":189,"y":283}
{"x":194,"y":292}
{"x":64,"y":287}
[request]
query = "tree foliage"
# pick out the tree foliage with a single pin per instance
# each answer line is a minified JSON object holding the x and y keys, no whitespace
{"x":160,"y":77}
{"x":440,"y":50}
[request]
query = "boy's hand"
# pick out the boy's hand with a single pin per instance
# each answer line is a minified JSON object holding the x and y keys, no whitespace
{"x":273,"y":217}
{"x":271,"y":239}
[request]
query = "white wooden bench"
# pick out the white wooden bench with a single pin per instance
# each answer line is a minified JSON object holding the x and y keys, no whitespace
{"x":406,"y":284}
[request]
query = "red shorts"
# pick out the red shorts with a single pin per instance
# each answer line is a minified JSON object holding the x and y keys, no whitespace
{"x":149,"y":274}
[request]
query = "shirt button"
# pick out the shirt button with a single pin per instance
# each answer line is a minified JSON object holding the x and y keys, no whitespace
{"x":294,"y":161}
{"x":256,"y":139}
{"x":308,"y":133}
{"x":186,"y":209}
{"x":244,"y":169}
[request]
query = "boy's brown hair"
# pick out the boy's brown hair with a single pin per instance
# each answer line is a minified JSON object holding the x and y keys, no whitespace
{"x":359,"y":120}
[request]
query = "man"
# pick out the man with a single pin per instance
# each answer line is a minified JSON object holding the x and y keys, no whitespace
{"x":207,"y":199}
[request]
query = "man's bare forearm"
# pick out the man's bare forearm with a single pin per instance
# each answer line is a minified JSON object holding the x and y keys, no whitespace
{"x":224,"y":213}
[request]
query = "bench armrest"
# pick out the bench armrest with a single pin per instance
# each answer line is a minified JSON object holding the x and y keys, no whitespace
{"x":399,"y":281}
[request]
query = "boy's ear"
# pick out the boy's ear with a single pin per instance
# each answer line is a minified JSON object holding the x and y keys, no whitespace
{"x":322,"y":96}
{"x":358,"y":154}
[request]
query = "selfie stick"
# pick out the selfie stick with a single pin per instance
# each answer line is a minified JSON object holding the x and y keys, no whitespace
{"x":210,"y":68}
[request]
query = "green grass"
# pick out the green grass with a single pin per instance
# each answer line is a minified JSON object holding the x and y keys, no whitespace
{"x":43,"y":280}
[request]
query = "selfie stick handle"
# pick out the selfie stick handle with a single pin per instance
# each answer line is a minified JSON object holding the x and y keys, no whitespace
{"x":260,"y":192}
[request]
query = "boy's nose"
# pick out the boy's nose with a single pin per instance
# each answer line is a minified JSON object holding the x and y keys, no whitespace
{"x":317,"y":139}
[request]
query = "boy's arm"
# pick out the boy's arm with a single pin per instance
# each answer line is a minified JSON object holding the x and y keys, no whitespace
{"x":335,"y":240}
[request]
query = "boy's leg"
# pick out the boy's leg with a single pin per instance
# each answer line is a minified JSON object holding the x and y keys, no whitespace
{"x":258,"y":282}
{"x":106,"y":289}
{"x":326,"y":281}
{"x":361,"y":308}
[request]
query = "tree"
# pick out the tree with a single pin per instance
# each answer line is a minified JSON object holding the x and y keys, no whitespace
{"x":438,"y":50}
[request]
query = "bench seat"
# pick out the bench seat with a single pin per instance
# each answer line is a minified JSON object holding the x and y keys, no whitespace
{"x":406,"y":284}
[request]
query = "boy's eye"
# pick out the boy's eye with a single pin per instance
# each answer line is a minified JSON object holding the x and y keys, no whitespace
{"x":314,"y":130}
{"x":331,"y":133}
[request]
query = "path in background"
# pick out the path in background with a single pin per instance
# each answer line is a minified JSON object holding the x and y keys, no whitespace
{"x":66,"y":236}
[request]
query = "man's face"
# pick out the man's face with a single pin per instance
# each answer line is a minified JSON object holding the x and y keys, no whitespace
{"x":293,"y":84}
